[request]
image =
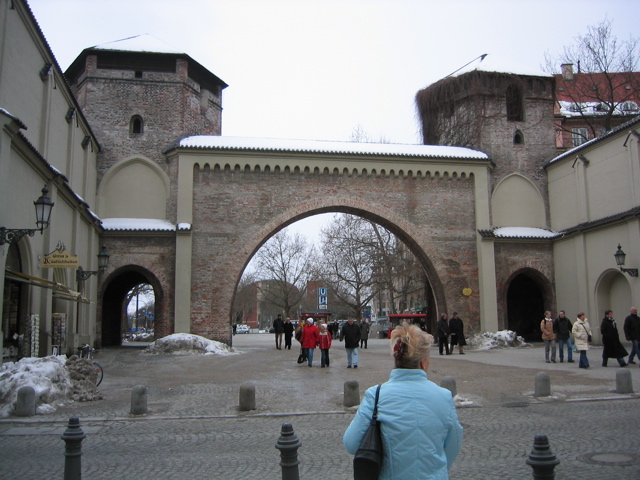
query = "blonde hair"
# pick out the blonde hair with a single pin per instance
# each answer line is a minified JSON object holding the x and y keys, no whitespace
{"x":410,"y":345}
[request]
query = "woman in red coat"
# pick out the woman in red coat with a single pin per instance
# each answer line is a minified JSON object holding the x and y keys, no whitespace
{"x":310,"y":339}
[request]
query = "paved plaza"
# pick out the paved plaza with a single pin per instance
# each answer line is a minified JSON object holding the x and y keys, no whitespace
{"x":193,"y":428}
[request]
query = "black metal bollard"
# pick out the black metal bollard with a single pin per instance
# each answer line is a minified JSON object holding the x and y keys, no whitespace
{"x":288,"y":445}
{"x":73,"y":437}
{"x":542,"y":459}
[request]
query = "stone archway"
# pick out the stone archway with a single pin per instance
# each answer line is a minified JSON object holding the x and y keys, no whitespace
{"x":527,"y":298}
{"x":612,"y":292}
{"x":112,"y":322}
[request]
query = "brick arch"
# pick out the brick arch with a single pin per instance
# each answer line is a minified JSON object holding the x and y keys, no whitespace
{"x":424,"y":250}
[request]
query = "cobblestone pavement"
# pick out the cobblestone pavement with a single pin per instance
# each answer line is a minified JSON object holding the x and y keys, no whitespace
{"x":193,"y":428}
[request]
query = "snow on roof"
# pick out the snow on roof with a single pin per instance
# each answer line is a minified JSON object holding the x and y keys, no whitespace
{"x":494,"y":63}
{"x":523,"y":232}
{"x":217,"y":142}
{"x":139,"y":43}
{"x":146,"y":224}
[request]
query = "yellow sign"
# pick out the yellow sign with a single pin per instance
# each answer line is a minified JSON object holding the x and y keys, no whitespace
{"x":60,"y":259}
{"x":467,"y":291}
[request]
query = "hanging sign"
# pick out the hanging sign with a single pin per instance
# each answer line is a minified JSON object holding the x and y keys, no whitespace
{"x":60,"y":259}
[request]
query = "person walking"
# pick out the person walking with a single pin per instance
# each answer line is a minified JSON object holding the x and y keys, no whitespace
{"x":288,"y":333}
{"x":456,"y":328}
{"x":443,"y":334}
{"x":325,"y":344}
{"x":546,"y":326}
{"x":278,"y":330}
{"x":582,"y":334}
{"x":364,"y":333}
{"x":611,"y":341}
{"x":421,"y":433}
{"x":310,"y":340}
{"x":632,"y":333}
{"x":562,"y":328}
{"x":350,"y":333}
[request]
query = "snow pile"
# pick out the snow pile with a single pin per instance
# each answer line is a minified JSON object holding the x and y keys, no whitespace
{"x":491,"y":340}
{"x":139,"y":337}
{"x":53,"y":379}
{"x":188,"y":344}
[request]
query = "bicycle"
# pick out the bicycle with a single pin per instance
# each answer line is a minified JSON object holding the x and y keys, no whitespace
{"x":87,"y":351}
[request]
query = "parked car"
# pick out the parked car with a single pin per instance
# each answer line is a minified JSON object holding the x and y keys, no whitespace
{"x":242,"y":329}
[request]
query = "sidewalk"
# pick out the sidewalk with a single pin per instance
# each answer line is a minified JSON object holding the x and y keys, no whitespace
{"x":208,"y":386}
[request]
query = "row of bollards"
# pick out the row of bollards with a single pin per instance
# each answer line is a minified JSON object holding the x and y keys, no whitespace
{"x":624,"y":383}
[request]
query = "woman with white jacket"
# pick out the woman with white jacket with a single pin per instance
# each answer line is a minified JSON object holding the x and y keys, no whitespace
{"x":582,"y":335}
{"x":421,"y":434}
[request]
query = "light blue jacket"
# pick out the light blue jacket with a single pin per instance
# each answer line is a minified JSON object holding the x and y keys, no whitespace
{"x":420,"y":429}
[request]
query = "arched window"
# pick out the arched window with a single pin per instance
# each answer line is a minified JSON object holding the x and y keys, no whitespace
{"x":136,"y":126}
{"x":518,"y":138}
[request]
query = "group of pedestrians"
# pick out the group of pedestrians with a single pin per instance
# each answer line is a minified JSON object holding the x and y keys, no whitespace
{"x":450,"y":334}
{"x":558,"y":333}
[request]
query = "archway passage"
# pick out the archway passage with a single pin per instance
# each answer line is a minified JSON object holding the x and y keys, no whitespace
{"x":525,"y":307}
{"x":114,"y":302}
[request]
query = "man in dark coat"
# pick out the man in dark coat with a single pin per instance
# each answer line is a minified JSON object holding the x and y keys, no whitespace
{"x":278,"y":327}
{"x":351,"y":335}
{"x":611,"y":341}
{"x":364,"y":333}
{"x":288,"y":333}
{"x":632,"y":333}
{"x":456,"y":328}
{"x":443,"y":334}
{"x":562,"y":328}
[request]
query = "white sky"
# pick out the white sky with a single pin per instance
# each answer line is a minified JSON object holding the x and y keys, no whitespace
{"x":315,"y":69}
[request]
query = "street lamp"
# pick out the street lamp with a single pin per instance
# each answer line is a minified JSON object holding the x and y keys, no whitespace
{"x":620,"y":257}
{"x":43,"y":205}
{"x":103,"y":263}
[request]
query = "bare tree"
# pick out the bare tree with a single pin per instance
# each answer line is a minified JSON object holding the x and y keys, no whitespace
{"x":359,"y":135}
{"x":605,"y":65}
{"x":285,"y":264}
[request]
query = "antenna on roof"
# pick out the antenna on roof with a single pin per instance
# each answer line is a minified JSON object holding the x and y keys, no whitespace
{"x":481,"y":57}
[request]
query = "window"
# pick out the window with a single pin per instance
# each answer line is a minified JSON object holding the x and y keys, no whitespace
{"x":630,"y":107}
{"x":518,"y":138}
{"x":138,"y":74}
{"x":514,"y":104}
{"x":579,"y":136}
{"x":136,"y":126}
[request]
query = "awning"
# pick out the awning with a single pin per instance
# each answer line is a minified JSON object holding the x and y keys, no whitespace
{"x":60,"y":291}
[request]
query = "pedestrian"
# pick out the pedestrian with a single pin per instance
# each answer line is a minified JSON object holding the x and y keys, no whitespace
{"x":235,"y":327}
{"x":325,"y":345}
{"x":632,"y":333}
{"x":334,"y":328}
{"x":421,"y":434}
{"x":278,"y":330}
{"x":310,"y":340}
{"x":611,"y":340}
{"x":443,"y":334}
{"x":562,"y":328}
{"x":456,"y":328}
{"x":350,"y":333}
{"x":288,"y":333}
{"x":364,"y":333}
{"x":582,"y":334}
{"x":549,"y":338}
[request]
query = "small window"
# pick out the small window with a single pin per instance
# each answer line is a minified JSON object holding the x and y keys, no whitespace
{"x":138,"y":74}
{"x":630,"y":107}
{"x":579,"y":136}
{"x":136,"y":127}
{"x":518,"y":138}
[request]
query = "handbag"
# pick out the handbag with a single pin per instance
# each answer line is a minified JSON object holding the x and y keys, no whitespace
{"x":367,"y":461}
{"x":302,"y":357}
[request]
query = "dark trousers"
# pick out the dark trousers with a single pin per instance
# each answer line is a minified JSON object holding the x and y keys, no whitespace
{"x":363,"y":343}
{"x":442,"y":342}
{"x":287,"y":341}
{"x":324,"y":358}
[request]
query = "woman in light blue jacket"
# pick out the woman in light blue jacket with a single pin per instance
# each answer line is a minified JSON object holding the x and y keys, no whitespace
{"x":420,"y":429}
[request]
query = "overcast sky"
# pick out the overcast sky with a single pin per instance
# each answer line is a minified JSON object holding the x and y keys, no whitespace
{"x":315,"y":69}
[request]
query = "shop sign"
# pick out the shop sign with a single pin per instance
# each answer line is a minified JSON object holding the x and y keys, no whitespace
{"x":60,"y":259}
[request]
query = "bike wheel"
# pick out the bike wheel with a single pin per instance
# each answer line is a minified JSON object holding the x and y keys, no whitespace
{"x":99,"y":373}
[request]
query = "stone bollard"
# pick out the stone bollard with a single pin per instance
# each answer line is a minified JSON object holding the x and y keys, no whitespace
{"x":624,"y":383}
{"x":139,"y":400}
{"x":542,"y":459}
{"x":26,"y":402}
{"x":73,"y":437}
{"x":247,"y":397}
{"x":288,"y":445}
{"x":450,"y":384}
{"x":543,"y":385}
{"x":351,"y":393}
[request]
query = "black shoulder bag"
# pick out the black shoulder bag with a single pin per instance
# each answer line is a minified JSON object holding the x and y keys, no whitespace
{"x":368,"y":459}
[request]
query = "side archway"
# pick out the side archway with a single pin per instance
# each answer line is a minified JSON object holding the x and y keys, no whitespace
{"x":528,"y":295}
{"x":613,"y":292}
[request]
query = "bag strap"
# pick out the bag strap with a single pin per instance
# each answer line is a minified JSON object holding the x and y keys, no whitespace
{"x":374,"y":417}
